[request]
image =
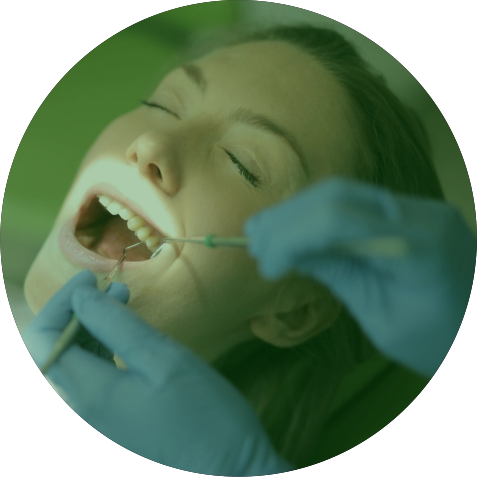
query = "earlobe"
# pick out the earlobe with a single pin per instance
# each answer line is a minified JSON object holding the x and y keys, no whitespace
{"x":292,"y":328}
{"x":304,"y":308}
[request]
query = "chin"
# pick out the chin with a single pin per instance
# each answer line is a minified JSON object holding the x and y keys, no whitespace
{"x":48,"y":273}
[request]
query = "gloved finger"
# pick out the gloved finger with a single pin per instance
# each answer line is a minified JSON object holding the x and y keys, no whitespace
{"x":117,"y":327}
{"x":88,"y":342}
{"x":56,"y":314}
{"x":119,"y":291}
{"x":319,"y":220}
{"x":299,"y":217}
{"x":324,"y":211}
{"x":344,"y":277}
{"x":86,"y":381}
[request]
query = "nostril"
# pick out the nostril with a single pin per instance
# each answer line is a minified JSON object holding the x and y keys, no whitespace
{"x":131,"y":152}
{"x":155,"y":171}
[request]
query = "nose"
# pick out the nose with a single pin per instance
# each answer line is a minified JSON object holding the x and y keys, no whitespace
{"x":155,"y":156}
{"x":174,"y":153}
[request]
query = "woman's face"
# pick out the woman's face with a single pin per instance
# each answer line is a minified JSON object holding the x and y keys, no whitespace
{"x":235,"y":131}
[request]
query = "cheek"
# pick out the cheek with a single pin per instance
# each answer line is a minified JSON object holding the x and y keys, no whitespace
{"x":48,"y":273}
{"x":220,"y":206}
{"x":211,"y":291}
{"x":203,"y":302}
{"x":237,"y":287}
{"x":117,"y":137}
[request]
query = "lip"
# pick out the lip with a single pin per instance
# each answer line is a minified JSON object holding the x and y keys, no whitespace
{"x":85,"y":258}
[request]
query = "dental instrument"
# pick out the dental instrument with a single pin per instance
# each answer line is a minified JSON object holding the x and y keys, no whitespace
{"x":74,"y":325}
{"x":390,"y":247}
{"x":209,"y":241}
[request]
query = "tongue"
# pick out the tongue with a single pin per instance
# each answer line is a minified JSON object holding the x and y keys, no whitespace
{"x":116,"y":236}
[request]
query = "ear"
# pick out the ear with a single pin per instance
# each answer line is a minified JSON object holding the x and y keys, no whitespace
{"x":314,"y":310}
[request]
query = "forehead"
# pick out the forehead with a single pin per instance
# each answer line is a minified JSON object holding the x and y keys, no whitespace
{"x":268,"y":60}
{"x":282,"y":81}
{"x":261,"y":55}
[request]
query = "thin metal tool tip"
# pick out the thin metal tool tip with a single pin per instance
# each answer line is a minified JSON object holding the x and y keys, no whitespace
{"x":157,"y":252}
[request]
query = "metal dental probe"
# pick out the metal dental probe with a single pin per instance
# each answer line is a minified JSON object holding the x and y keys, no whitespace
{"x":74,"y":325}
{"x":389,"y":247}
{"x":209,"y":241}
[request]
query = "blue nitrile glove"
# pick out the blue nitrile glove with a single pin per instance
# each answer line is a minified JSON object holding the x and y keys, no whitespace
{"x":169,"y":406}
{"x":410,"y":307}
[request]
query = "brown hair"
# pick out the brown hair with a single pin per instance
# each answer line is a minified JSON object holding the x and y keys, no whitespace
{"x":292,"y":388}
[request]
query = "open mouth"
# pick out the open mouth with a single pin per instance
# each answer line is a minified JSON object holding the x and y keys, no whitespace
{"x":106,"y":227}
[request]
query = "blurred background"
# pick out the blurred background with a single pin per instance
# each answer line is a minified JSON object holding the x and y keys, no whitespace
{"x":112,"y":79}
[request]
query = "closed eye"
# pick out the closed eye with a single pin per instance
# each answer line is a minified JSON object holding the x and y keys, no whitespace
{"x":159,"y":106}
{"x":252,"y":179}
{"x":243,"y":170}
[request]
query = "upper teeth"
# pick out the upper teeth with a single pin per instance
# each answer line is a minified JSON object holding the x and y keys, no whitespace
{"x":134,"y":222}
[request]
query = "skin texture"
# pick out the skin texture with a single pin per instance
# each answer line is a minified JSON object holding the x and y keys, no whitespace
{"x":174,"y":165}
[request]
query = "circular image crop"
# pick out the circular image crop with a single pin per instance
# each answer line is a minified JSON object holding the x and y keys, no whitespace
{"x":186,"y":125}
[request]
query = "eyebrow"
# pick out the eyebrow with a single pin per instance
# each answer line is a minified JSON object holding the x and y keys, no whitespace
{"x":195,"y":74}
{"x":248,"y":117}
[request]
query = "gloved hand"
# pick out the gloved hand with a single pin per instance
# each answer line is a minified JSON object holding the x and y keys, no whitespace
{"x":169,"y":406}
{"x":410,"y":307}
